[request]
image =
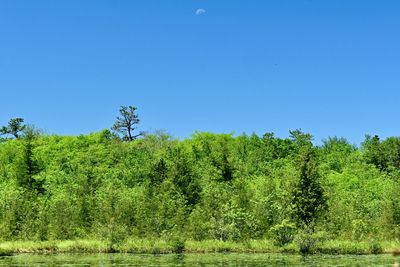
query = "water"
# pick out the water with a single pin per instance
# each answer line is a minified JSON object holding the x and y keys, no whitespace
{"x":195,"y":260}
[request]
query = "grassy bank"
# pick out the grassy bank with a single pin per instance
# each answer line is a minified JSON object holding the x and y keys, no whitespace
{"x":141,"y":246}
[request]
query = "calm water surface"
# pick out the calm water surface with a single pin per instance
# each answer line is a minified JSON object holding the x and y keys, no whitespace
{"x":195,"y":260}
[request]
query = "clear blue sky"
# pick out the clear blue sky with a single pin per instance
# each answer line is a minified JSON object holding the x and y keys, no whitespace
{"x":331,"y":68}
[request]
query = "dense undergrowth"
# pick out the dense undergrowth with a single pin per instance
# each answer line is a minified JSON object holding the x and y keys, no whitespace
{"x":210,"y":192}
{"x":159,"y":246}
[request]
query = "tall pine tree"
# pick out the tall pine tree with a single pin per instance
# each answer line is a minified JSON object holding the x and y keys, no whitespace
{"x":308,"y":195}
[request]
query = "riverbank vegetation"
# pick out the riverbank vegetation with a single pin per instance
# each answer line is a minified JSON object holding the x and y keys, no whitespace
{"x":206,"y":193}
{"x":162,"y":246}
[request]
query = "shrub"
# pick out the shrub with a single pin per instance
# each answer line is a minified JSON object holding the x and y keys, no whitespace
{"x":283,"y":233}
{"x":359,"y":229}
{"x":5,"y":252}
{"x":375,"y":247}
{"x":178,"y":245}
{"x":176,"y":241}
{"x":307,"y":240}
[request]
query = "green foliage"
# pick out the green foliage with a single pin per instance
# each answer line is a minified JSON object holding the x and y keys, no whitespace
{"x":177,"y":242}
{"x":385,"y":155}
{"x":14,"y":127}
{"x":28,"y":167}
{"x":335,"y":154}
{"x":375,"y":247}
{"x":214,"y":188}
{"x":283,"y":233}
{"x":308,"y":195}
{"x":126,"y":123}
{"x":359,"y":230}
{"x":308,"y":240}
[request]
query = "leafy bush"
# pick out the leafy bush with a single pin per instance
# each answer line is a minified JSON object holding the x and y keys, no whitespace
{"x":178,"y":245}
{"x":307,"y":240}
{"x":5,"y":252}
{"x":283,"y":233}
{"x":375,"y":247}
{"x":359,"y":229}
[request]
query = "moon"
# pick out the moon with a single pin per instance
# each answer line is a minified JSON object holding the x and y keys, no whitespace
{"x":200,"y":11}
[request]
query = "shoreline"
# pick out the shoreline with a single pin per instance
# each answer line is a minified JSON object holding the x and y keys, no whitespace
{"x":141,"y":246}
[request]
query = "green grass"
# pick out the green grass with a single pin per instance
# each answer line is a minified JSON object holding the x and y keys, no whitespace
{"x":43,"y":247}
{"x":5,"y":252}
{"x":159,"y":246}
{"x":343,"y":247}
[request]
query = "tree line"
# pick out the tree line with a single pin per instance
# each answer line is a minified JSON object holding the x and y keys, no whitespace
{"x":112,"y":184}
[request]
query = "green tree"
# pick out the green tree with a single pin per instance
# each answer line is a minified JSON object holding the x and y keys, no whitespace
{"x":276,"y":147}
{"x":335,"y":153}
{"x":373,"y":152}
{"x":126,"y":123}
{"x":391,"y":150}
{"x":308,"y":196}
{"x":301,"y":140}
{"x":14,"y":127}
{"x":28,"y":166}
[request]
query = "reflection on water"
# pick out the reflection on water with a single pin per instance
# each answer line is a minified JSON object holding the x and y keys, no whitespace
{"x":195,"y":260}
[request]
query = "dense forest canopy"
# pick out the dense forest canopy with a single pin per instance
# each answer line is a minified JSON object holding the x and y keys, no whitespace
{"x":208,"y":186}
